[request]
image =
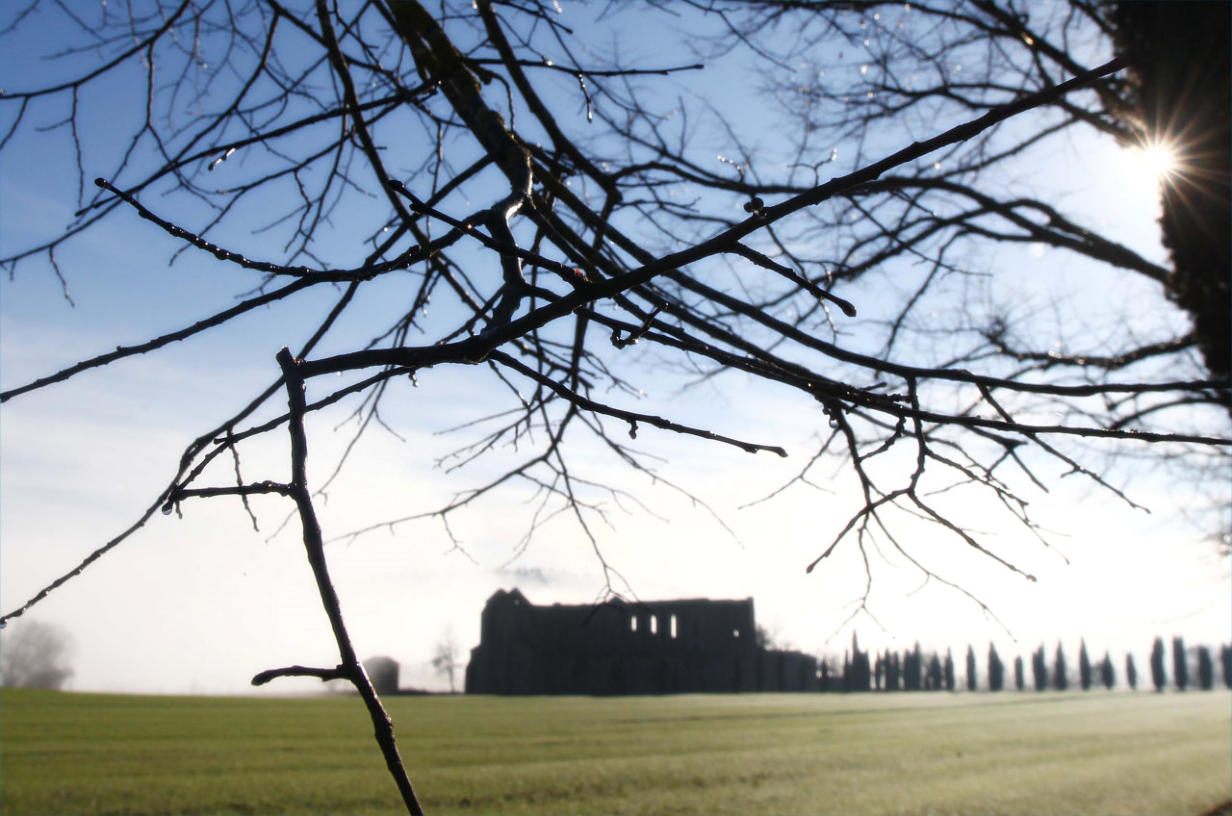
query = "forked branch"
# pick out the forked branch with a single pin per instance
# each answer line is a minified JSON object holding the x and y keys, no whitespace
{"x":314,"y":547}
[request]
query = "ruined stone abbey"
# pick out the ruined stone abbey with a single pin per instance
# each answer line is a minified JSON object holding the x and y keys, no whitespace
{"x":655,"y":647}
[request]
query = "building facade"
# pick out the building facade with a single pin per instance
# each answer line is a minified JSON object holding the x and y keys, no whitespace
{"x":656,"y":647}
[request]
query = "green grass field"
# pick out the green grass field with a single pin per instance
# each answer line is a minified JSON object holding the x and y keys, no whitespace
{"x":900,"y":753}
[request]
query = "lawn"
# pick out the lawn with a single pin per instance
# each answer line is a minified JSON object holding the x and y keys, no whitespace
{"x":898,"y":753}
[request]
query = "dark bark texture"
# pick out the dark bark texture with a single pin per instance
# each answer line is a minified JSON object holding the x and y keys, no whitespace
{"x":1182,"y":94}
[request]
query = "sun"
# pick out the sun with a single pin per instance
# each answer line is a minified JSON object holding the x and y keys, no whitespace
{"x":1153,"y":162}
{"x":1158,"y":160}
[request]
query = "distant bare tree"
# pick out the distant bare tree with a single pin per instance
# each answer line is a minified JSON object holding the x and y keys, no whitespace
{"x":446,"y":660}
{"x":34,"y":654}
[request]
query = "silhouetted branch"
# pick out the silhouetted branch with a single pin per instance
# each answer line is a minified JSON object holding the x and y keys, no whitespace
{"x":314,"y":547}
{"x":337,"y":673}
{"x":632,"y":417}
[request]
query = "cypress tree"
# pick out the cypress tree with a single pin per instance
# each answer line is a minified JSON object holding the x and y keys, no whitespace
{"x":1131,"y":672}
{"x":1180,"y":668}
{"x":893,"y":671}
{"x":1206,"y":669}
{"x":1107,"y":674}
{"x":949,"y":670}
{"x":1060,"y":674}
{"x":1084,"y":666}
{"x":996,"y":671}
{"x":934,"y":673}
{"x":1039,"y":669}
{"x":1158,"y":677}
{"x":914,"y":668}
{"x":861,"y":669}
{"x":970,"y":669}
{"x":1018,"y":678}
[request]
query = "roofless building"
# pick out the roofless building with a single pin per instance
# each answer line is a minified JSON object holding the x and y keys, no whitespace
{"x":652,"y":647}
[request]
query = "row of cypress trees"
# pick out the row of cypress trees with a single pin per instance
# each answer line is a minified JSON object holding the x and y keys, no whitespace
{"x":914,"y":671}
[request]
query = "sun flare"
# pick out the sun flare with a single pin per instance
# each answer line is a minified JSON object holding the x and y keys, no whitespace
{"x":1153,"y":162}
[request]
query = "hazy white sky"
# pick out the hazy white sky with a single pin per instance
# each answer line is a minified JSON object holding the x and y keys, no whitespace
{"x":202,"y":603}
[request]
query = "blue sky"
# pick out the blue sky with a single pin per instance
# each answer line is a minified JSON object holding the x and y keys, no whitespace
{"x":203,"y":602}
